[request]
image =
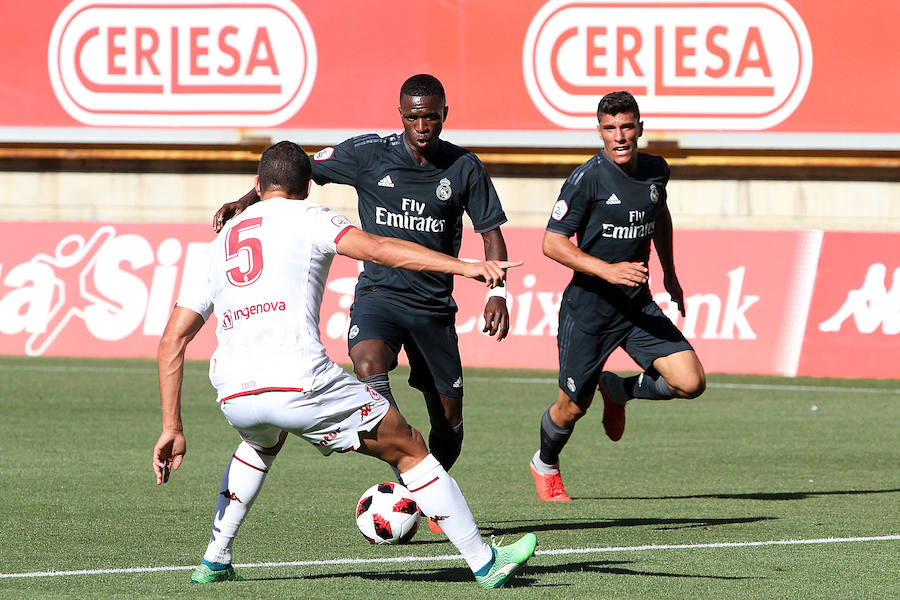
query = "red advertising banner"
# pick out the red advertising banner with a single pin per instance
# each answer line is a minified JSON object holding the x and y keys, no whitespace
{"x":854,"y":319}
{"x":508,"y":65}
{"x":776,"y":302}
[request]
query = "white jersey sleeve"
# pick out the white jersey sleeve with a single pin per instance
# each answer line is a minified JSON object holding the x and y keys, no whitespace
{"x":331,"y":227}
{"x":196,"y":287}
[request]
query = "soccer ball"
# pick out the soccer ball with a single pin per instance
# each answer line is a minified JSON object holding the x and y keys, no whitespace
{"x":387,"y":514}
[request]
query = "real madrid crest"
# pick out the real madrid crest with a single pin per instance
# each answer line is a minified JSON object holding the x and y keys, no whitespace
{"x":443,"y":190}
{"x":654,"y":193}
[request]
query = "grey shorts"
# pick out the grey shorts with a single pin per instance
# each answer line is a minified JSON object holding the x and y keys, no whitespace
{"x":430,"y":341}
{"x":582,"y":354}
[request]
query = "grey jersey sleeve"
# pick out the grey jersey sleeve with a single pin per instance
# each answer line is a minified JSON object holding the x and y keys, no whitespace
{"x":337,"y":164}
{"x":483,"y":205}
{"x":572,"y":207}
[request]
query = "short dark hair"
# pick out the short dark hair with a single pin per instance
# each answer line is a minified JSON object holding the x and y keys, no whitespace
{"x":422,"y":85}
{"x":285,"y":166}
{"x":618,"y":102}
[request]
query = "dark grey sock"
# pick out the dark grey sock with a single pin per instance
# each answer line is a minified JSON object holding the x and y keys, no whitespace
{"x":381,"y":383}
{"x":553,"y":439}
{"x":649,"y":386}
{"x":446,"y":444}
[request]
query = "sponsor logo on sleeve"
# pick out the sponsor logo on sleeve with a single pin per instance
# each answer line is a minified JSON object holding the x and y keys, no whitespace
{"x":559,"y":210}
{"x":324,"y":154}
{"x":340,"y":221}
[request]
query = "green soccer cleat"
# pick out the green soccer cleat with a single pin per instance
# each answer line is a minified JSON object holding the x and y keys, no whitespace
{"x":507,"y":560}
{"x":203,"y":574}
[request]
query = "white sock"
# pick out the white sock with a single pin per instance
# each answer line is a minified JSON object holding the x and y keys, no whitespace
{"x":241,"y":483}
{"x":542,"y":467}
{"x":438,"y":495}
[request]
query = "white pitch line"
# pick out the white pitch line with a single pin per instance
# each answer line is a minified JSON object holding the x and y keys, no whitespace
{"x":443,"y":557}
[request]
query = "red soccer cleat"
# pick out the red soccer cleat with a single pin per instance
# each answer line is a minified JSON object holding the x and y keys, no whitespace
{"x":613,"y":416}
{"x":433,"y":525}
{"x":549,"y":488}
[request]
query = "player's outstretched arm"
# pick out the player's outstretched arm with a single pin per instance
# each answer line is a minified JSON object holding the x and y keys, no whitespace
{"x":402,"y":254}
{"x":169,"y":450}
{"x":229,"y":210}
{"x":561,"y":249}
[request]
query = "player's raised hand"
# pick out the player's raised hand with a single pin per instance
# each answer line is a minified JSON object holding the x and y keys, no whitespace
{"x":492,"y":272}
{"x":631,"y":274}
{"x":230,"y":210}
{"x":168,"y":454}
{"x":227,"y":211}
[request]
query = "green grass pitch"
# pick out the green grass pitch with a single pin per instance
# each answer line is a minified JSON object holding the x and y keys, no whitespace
{"x":687,"y":505}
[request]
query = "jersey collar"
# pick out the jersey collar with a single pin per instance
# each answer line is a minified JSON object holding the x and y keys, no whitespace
{"x":412,"y":155}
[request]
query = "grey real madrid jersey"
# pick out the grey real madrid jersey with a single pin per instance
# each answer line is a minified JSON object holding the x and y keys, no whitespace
{"x":613,"y":216}
{"x":399,"y":198}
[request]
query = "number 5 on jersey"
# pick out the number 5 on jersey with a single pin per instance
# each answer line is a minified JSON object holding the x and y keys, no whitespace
{"x":242,"y":246}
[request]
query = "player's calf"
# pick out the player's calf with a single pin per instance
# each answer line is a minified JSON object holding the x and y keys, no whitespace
{"x":445,"y":443}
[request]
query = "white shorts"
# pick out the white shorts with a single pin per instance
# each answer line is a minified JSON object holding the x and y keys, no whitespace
{"x":329,"y":418}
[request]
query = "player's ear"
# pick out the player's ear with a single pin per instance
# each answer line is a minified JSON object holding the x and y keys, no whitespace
{"x":640,"y":128}
{"x":258,"y":191}
{"x":446,"y":111}
{"x":308,"y":188}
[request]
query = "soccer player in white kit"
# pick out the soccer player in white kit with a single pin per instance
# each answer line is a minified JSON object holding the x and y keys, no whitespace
{"x":263,"y":277}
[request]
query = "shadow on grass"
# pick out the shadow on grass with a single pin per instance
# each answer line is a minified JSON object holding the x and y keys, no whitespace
{"x":754,"y":495}
{"x":536,"y":525}
{"x":526,"y":579}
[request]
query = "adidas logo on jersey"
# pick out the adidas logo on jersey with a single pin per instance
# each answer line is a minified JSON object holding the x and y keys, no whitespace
{"x":614,"y":200}
{"x":386,"y":181}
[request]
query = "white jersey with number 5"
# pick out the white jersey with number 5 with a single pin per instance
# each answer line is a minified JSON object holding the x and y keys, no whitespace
{"x":264,"y":276}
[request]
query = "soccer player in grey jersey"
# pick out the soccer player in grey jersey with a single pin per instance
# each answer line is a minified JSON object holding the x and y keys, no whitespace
{"x":614,"y":205}
{"x":414,"y":186}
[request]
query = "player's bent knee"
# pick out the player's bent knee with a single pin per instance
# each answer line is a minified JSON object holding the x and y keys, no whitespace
{"x":689,"y":387}
{"x":566,"y":411}
{"x":268,"y":451}
{"x":698,"y":389}
{"x":372,"y":357}
{"x":367,"y":366}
